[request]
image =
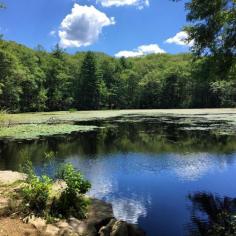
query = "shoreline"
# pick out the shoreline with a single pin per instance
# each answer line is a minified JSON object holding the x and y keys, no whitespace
{"x":99,"y":219}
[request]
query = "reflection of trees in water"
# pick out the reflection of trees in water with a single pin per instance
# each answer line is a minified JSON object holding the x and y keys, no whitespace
{"x":212,"y":215}
{"x":150,"y":137}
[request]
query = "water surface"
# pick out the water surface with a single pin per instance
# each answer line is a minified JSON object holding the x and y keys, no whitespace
{"x":146,"y":169}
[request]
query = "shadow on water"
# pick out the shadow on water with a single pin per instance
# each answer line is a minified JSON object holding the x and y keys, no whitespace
{"x":212,"y":215}
{"x":145,"y":167}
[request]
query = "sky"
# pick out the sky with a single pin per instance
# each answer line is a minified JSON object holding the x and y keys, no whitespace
{"x":116,"y":27}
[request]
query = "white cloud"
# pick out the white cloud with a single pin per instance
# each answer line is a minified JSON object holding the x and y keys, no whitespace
{"x":180,"y":39}
{"x":118,"y":3}
{"x":141,"y":51}
{"x":83,"y":26}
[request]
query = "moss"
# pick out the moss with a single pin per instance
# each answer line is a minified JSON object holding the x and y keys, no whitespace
{"x":34,"y":131}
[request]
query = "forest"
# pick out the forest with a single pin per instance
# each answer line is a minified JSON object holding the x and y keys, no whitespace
{"x":36,"y":80}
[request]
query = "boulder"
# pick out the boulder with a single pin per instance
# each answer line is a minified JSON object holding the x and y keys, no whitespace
{"x":99,"y":213}
{"x":120,"y":228}
{"x":51,"y":230}
{"x":62,"y":224}
{"x":38,"y":223}
{"x":10,"y":177}
{"x":106,"y":230}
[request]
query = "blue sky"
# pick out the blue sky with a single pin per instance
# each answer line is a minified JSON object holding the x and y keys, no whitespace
{"x":116,"y":27}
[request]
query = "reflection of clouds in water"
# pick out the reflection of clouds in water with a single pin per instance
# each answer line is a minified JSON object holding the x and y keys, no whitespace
{"x":99,"y":174}
{"x":105,"y":186}
{"x":193,"y":166}
{"x":129,"y":209}
{"x":102,"y":185}
{"x":105,"y":173}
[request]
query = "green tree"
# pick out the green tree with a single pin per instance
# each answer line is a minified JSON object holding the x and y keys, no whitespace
{"x":10,"y":78}
{"x":88,"y":86}
{"x":213,"y":29}
{"x":59,"y":82}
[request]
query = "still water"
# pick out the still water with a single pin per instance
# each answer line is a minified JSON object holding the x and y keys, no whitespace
{"x":150,"y":171}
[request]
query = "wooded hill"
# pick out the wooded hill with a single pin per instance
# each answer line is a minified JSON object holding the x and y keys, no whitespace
{"x":37,"y":80}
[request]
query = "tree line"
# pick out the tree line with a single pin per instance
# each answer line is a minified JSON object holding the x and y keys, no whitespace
{"x":36,"y":80}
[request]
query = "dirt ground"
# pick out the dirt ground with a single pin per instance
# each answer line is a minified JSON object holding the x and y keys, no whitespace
{"x":15,"y":227}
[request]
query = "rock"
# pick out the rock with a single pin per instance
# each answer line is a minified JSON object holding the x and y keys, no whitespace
{"x":99,"y":213}
{"x":73,"y":222}
{"x":106,"y":230}
{"x":51,"y":230}
{"x":10,"y":177}
{"x":38,"y":223}
{"x":120,"y":228}
{"x":83,"y":228}
{"x":3,"y":205}
{"x":67,"y":232}
{"x":28,"y":218}
{"x":62,"y":224}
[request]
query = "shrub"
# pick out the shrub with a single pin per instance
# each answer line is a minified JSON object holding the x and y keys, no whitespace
{"x":72,"y":201}
{"x":37,"y":197}
{"x":36,"y":193}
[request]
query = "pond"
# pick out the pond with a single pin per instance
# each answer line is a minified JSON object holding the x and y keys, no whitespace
{"x":153,"y":171}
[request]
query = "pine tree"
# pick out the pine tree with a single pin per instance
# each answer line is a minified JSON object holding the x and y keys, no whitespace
{"x":88,"y":96}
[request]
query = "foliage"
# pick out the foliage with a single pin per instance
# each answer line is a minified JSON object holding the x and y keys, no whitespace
{"x":35,"y":80}
{"x":225,"y":91}
{"x":36,"y":192}
{"x":76,"y":184}
{"x":88,"y":91}
{"x":213,"y":29}
{"x":72,"y":202}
